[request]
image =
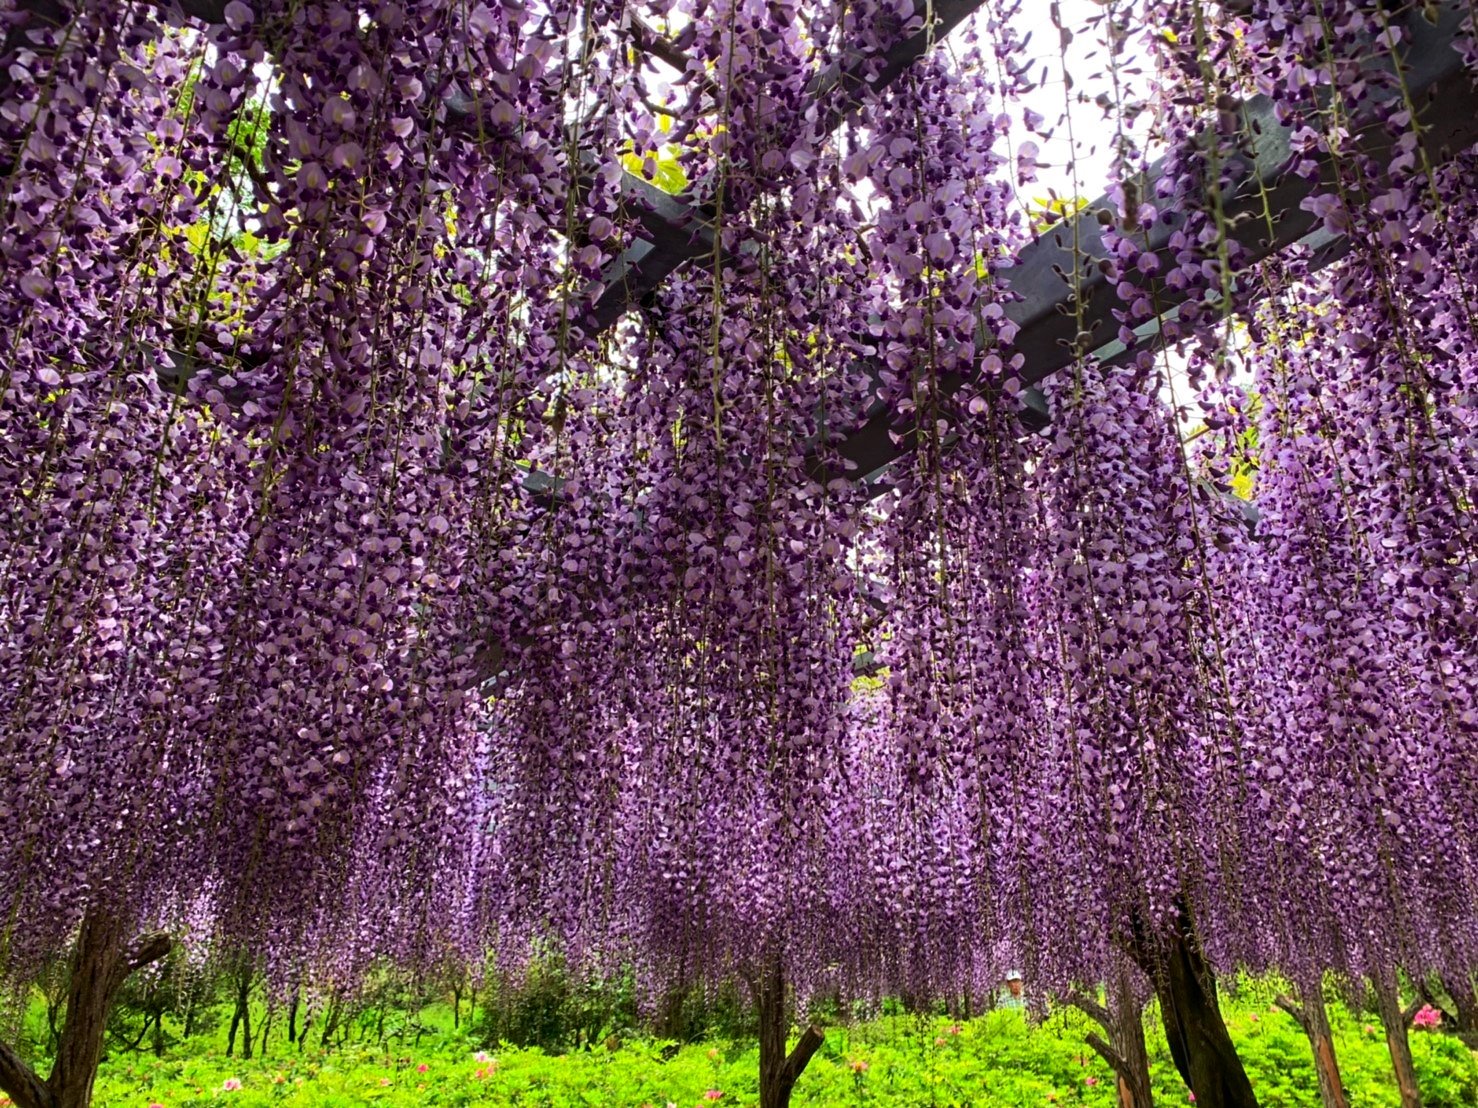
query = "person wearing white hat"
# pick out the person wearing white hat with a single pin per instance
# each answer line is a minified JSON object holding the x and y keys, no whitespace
{"x":1011,"y":996}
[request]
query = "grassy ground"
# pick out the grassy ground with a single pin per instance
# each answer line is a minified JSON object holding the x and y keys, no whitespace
{"x":996,"y":1061}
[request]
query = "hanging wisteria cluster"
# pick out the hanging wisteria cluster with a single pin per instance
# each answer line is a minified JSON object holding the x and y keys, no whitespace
{"x":366,"y":595}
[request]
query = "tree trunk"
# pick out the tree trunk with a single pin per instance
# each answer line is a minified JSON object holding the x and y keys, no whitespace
{"x":159,"y":1033}
{"x":779,"y":1070}
{"x":266,"y":1030}
{"x":1394,"y":1019}
{"x":101,"y":962}
{"x":1200,"y":1044}
{"x":1127,"y":1036}
{"x":55,"y":1000}
{"x":1465,"y":1008}
{"x":330,"y":1022}
{"x":292,"y":1018}
{"x":1313,"y":1018}
{"x":1124,"y":1050}
{"x":243,"y":1005}
{"x":241,"y":1015}
{"x":670,"y":1023}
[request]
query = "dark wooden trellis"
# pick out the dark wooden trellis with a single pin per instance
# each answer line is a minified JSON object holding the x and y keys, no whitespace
{"x":1057,"y":277}
{"x":1447,"y":101}
{"x":1062,"y":266}
{"x":687,"y":233}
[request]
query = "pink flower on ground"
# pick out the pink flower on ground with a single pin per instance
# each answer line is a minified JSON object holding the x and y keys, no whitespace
{"x":230,"y":1085}
{"x":955,"y":1029}
{"x":939,"y":1041}
{"x":858,"y":1065}
{"x":422,"y":1068}
{"x":1090,"y":1081}
{"x":156,"y":1105}
{"x":1427,"y":1017}
{"x":480,"y":1056}
{"x":385,"y":1082}
{"x":712,"y":1094}
{"x":713,"y":1054}
{"x":1193,"y":1098}
{"x":1253,"y":1017}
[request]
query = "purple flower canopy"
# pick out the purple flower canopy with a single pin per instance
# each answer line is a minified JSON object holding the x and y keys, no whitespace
{"x":419,"y":541}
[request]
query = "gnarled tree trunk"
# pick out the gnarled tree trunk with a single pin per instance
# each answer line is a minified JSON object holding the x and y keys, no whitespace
{"x":1200,"y":1044}
{"x":1465,"y":1005}
{"x":101,"y":962}
{"x":1313,"y":1017}
{"x":1394,"y":1019}
{"x":1122,"y":1019}
{"x":779,"y":1069}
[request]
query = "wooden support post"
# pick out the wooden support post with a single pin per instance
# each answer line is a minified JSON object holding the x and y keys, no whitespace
{"x":101,"y":962}
{"x":1313,"y":1018}
{"x":779,"y":1069}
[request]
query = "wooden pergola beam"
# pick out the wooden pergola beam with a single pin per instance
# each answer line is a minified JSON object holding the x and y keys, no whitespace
{"x":673,"y":232}
{"x":1048,"y":310}
{"x":836,"y":93}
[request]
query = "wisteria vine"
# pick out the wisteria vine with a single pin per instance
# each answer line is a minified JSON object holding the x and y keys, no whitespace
{"x":364,"y":596}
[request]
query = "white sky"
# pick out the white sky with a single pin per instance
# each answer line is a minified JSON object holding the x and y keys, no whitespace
{"x":1082,"y":167}
{"x":1087,"y":60}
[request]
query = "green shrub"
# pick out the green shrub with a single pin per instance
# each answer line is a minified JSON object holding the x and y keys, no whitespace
{"x":1447,"y":1071}
{"x":894,"y":1061}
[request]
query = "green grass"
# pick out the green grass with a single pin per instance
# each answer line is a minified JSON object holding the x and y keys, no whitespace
{"x":992,"y":1062}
